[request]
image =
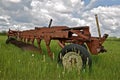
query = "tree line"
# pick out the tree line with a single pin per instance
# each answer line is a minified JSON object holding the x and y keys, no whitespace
{"x":3,"y":32}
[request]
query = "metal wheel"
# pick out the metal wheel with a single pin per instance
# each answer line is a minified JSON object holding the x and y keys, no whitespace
{"x":79,"y":54}
{"x":72,"y":60}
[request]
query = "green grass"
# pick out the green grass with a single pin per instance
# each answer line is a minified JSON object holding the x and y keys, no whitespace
{"x":16,"y":64}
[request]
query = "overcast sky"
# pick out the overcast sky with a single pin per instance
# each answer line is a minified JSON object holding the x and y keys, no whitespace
{"x":27,"y":14}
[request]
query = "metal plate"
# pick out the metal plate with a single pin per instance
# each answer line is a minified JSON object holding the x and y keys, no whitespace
{"x":72,"y":60}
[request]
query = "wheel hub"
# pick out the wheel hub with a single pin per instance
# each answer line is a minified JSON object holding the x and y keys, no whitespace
{"x":72,"y":60}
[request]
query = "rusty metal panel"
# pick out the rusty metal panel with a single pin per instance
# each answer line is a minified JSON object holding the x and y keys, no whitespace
{"x":59,"y":34}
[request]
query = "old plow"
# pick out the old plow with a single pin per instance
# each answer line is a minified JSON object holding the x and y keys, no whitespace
{"x":79,"y":38}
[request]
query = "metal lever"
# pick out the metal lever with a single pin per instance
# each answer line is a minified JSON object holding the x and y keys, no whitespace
{"x":98,"y":27}
{"x":50,"y":23}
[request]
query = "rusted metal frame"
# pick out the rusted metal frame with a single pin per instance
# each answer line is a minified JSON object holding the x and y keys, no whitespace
{"x":53,"y":28}
{"x":77,"y":28}
{"x":31,"y":39}
{"x":101,"y":41}
{"x":39,"y":42}
{"x":47,"y":41}
{"x":58,"y":34}
{"x":104,"y":38}
{"x":95,"y":45}
{"x":75,"y":40}
{"x":86,"y":31}
{"x":27,"y":36}
{"x":61,"y":43}
{"x":12,"y":33}
{"x":64,"y":35}
{"x":80,"y":35}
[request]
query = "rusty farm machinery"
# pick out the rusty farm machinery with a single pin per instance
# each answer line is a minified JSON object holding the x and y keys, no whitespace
{"x":79,"y":38}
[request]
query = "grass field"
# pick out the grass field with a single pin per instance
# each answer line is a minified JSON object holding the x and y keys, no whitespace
{"x":16,"y":64}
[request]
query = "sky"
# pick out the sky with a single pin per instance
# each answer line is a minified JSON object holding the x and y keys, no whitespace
{"x":27,"y":14}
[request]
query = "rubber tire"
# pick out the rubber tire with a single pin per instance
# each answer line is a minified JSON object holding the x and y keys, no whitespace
{"x":76,"y":48}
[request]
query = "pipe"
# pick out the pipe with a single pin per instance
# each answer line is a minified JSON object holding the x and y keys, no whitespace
{"x":50,"y":23}
{"x":98,"y":27}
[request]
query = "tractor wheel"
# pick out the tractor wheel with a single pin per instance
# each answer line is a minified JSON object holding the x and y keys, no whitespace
{"x":74,"y":54}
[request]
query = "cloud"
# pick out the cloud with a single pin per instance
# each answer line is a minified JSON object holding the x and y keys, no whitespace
{"x":14,"y":1}
{"x":27,"y":14}
{"x":4,"y":22}
{"x":60,"y":11}
{"x":90,"y":5}
{"x":109,"y":19}
{"x":14,"y":12}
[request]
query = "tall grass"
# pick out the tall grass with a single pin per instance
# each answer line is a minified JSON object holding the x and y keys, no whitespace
{"x":16,"y":64}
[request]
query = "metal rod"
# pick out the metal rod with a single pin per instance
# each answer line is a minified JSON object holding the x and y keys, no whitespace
{"x":50,"y":23}
{"x":98,"y":27}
